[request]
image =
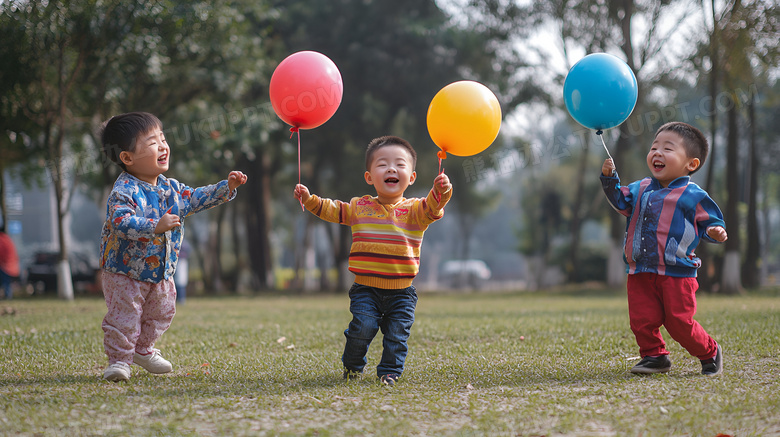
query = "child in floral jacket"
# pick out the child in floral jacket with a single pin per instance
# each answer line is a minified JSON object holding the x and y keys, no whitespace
{"x":141,"y":239}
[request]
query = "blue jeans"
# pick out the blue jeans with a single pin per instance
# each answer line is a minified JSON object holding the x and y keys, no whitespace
{"x":373,"y":309}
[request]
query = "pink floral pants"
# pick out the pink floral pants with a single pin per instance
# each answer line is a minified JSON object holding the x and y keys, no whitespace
{"x":138,"y":314}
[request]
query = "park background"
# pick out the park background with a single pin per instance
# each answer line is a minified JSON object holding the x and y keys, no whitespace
{"x":530,"y":206}
{"x":257,"y":352}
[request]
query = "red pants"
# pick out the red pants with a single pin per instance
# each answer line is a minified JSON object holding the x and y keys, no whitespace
{"x":655,"y":300}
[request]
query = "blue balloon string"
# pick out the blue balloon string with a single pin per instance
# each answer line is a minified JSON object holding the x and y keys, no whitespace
{"x":599,"y":133}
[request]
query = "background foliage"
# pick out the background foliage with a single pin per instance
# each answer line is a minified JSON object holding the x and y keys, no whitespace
{"x":204,"y":67}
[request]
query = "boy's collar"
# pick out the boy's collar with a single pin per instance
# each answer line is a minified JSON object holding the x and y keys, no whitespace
{"x":160,"y":179}
{"x":677,"y":183}
{"x":389,"y":205}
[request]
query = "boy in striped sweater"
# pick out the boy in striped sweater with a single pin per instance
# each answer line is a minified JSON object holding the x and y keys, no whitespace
{"x":387,"y":232}
{"x":667,"y":215}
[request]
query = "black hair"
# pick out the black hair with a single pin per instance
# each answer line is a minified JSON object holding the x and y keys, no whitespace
{"x":120,"y":132}
{"x":388,"y":140}
{"x":695,"y":143}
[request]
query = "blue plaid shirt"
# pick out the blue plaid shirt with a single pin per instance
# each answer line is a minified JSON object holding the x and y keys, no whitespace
{"x":664,"y":224}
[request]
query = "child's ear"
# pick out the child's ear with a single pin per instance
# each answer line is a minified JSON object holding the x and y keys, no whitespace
{"x":413,"y":177}
{"x":693,"y":164}
{"x":126,"y":158}
{"x":369,"y":180}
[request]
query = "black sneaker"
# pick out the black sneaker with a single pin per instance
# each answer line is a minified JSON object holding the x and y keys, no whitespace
{"x":659,"y":364}
{"x":351,"y":375}
{"x":713,"y":366}
{"x":389,"y":379}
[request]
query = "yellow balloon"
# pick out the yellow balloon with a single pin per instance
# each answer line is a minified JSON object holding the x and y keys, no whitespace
{"x":464,"y":118}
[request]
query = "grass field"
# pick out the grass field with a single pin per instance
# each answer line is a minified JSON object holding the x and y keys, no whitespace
{"x":501,"y":365}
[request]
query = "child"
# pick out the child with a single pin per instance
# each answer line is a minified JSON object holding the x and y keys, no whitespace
{"x":387,"y":231}
{"x":667,"y":216}
{"x":9,"y":263}
{"x":141,"y":239}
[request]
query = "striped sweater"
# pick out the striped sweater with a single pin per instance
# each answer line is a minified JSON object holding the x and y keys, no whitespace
{"x":386,"y":239}
{"x":664,"y":225}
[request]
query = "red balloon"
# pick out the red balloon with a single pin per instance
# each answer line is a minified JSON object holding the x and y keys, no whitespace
{"x":306,"y":89}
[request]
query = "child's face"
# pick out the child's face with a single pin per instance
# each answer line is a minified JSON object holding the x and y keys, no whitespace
{"x":151,"y":157}
{"x":668,"y":160}
{"x":391,"y":172}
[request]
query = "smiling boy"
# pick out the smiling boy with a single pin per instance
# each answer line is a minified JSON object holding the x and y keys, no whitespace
{"x":667,"y":216}
{"x":387,"y":232}
{"x":141,"y":240}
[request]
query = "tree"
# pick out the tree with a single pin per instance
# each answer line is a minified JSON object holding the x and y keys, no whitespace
{"x":582,"y":26}
{"x":84,"y":61}
{"x":392,"y":58}
{"x":47,"y":100}
{"x":747,"y":41}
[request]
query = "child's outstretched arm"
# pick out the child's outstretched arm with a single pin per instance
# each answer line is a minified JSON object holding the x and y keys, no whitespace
{"x":334,"y":211}
{"x":236,"y":178}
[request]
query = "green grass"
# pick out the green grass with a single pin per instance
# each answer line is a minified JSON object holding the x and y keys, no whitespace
{"x":518,"y":364}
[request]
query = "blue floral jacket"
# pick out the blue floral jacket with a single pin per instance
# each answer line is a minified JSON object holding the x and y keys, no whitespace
{"x":128,"y":244}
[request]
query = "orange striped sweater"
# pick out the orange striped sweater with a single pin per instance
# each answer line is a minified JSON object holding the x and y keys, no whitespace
{"x":386,"y":239}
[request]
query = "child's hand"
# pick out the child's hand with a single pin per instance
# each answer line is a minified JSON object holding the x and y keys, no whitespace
{"x":301,"y":193}
{"x":442,"y":183}
{"x":717,"y":233}
{"x":167,"y":222}
{"x":236,"y":178}
{"x":608,"y":169}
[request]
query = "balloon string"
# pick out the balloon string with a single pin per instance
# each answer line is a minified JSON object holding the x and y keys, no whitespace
{"x":293,"y":130}
{"x":599,"y":133}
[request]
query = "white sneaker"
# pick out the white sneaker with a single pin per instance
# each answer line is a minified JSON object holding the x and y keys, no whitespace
{"x":153,"y":363}
{"x":117,"y":372}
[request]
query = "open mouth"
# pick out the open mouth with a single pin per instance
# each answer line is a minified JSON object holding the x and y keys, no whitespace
{"x":162,"y":159}
{"x":391,"y":180}
{"x":657,"y":165}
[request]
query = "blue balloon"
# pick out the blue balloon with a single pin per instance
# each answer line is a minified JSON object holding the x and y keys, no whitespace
{"x":600,"y":91}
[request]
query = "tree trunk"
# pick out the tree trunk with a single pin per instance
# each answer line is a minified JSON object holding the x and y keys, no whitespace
{"x":216,"y":251}
{"x":64,"y":277}
{"x":730,"y":282}
{"x":714,"y":73}
{"x":750,"y":274}
{"x":323,"y":262}
{"x":234,"y":222}
{"x":3,"y":210}
{"x":258,"y":195}
{"x":573,"y":262}
{"x":309,"y":258}
{"x":766,"y":238}
{"x":616,"y":269}
{"x":344,"y":240}
{"x":706,"y":275}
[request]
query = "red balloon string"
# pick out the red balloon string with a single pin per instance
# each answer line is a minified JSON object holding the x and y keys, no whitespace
{"x":293,"y":130}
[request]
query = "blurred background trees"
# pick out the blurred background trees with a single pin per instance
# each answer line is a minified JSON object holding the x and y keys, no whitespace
{"x":532,"y":199}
